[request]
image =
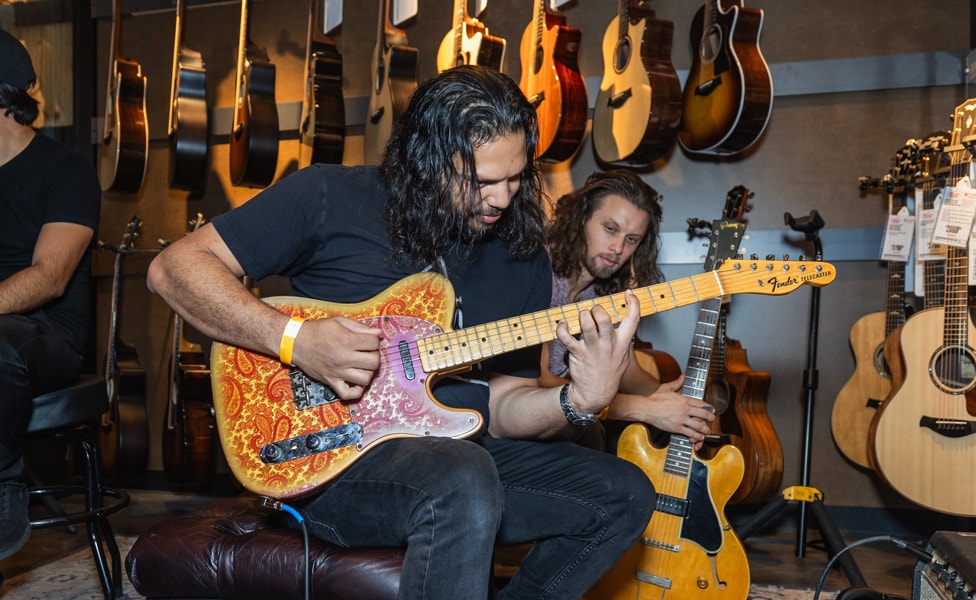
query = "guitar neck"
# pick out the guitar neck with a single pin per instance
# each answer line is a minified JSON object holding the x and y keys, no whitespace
{"x":459,"y":20}
{"x":455,"y":350}
{"x":389,"y":34}
{"x":241,"y":58}
{"x":895,"y":297}
{"x":174,"y":80}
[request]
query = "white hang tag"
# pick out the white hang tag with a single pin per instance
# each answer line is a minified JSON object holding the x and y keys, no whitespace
{"x":897,"y":243}
{"x":954,"y":221}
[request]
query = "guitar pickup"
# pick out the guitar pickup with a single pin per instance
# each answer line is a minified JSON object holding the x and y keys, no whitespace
{"x":948,"y":428}
{"x":308,"y":393}
{"x":671,"y":505}
{"x":311,"y":443}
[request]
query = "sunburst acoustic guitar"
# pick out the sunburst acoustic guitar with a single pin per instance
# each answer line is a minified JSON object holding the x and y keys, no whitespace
{"x":728,"y":96}
{"x":638,"y":108}
{"x":923,"y":438}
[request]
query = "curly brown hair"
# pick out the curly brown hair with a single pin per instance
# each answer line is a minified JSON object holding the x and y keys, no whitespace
{"x":567,"y":238}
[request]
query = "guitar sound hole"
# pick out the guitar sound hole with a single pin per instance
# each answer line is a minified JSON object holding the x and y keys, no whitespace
{"x":621,"y":55}
{"x":711,"y":44}
{"x":880,"y":364}
{"x":953,"y":369}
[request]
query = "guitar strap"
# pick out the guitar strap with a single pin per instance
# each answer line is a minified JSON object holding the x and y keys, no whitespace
{"x":440,"y":266}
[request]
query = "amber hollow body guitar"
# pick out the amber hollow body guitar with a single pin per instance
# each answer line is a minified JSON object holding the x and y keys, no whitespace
{"x":322,"y":130}
{"x":922,"y":438}
{"x":124,"y":431}
{"x":189,"y":431}
{"x":125,"y":133}
{"x":638,"y":108}
{"x":317,"y":436}
{"x":394,"y":69}
{"x":189,"y":126}
{"x":688,"y":549}
{"x":254,"y":133}
{"x":469,"y":43}
{"x":552,"y":82}
{"x":728,"y":95}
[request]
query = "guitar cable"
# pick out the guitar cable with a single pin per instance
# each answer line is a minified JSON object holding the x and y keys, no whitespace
{"x":281,"y":506}
{"x":864,"y":593}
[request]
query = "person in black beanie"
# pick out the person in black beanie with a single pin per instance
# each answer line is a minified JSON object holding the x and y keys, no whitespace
{"x":49,"y":207}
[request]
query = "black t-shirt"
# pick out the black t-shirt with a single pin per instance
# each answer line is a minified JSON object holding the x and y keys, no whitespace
{"x":49,"y":183}
{"x":323,"y":227}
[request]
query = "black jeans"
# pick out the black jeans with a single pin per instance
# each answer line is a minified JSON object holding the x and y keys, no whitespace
{"x":449,"y":501}
{"x":34,"y":359}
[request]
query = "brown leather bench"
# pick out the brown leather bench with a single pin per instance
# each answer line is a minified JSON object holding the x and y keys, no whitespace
{"x":237,"y":548}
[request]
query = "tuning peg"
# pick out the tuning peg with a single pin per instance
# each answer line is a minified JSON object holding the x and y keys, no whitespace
{"x":753,"y":256}
{"x":770,"y":257}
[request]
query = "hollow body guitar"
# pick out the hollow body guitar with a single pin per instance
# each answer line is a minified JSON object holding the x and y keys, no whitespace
{"x":316,"y":436}
{"x":638,"y":108}
{"x":924,"y":437}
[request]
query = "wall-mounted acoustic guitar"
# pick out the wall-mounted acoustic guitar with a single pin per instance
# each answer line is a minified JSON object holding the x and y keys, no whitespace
{"x":322,"y":130}
{"x":254,"y":134}
{"x":125,"y":132}
{"x":189,"y":126}
{"x":638,"y":109}
{"x":688,"y":549}
{"x":924,"y":436}
{"x":728,"y":95}
{"x":469,"y":43}
{"x":189,"y":431}
{"x":552,"y":82}
{"x":124,"y":431}
{"x":394,"y":72}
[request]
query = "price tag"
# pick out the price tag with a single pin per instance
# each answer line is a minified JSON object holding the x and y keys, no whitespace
{"x":954,"y":221}
{"x":897,"y":242}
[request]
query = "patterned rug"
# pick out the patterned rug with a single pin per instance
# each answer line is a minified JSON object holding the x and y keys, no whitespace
{"x":74,"y":578}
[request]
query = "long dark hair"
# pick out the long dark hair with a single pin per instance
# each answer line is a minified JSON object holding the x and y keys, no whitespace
{"x":449,"y":116}
{"x":19,"y":103}
{"x":567,"y":237}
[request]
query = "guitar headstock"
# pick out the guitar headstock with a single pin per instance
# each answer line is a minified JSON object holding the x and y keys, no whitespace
{"x":728,"y":233}
{"x":772,"y":277}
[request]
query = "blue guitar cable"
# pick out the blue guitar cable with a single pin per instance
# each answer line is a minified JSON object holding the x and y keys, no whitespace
{"x":278,"y":505}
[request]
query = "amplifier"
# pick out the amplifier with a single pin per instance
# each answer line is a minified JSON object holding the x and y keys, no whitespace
{"x":951,"y":575}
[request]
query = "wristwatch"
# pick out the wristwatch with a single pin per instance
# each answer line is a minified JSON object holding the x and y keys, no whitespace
{"x":572,"y":415}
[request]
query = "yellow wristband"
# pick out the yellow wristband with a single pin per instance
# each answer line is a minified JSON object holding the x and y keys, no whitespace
{"x":288,"y":339}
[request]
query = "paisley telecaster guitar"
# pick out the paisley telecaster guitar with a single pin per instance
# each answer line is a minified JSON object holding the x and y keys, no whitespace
{"x":638,"y":109}
{"x":469,"y":43}
{"x":552,"y":82}
{"x":728,"y":95}
{"x":254,"y":133}
{"x":322,"y":130}
{"x":284,"y":434}
{"x":394,"y":70}
{"x":188,"y":123}
{"x":924,"y":436}
{"x":125,"y":134}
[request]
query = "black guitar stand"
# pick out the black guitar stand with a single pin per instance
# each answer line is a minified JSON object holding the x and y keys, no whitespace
{"x":804,"y":494}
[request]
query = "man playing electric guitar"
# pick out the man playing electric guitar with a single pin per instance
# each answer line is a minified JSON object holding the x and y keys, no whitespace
{"x":458,"y":193}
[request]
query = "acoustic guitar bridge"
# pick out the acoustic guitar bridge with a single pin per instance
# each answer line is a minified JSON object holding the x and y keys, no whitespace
{"x":949,"y":428}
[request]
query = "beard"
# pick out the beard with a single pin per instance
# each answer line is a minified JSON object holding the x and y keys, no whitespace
{"x":596,"y":267}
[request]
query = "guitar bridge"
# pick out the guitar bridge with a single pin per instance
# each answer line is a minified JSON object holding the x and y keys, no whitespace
{"x":311,"y":443}
{"x":308,"y":393}
{"x":708,"y":87}
{"x":948,"y":428}
{"x":617,"y":100}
